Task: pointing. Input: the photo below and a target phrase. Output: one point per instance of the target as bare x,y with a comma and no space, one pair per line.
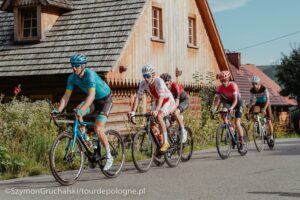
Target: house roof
270,71
66,4
96,28
242,77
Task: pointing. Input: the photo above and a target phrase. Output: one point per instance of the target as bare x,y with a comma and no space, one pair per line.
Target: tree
288,74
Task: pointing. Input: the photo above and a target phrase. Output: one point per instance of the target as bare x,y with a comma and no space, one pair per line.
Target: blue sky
242,23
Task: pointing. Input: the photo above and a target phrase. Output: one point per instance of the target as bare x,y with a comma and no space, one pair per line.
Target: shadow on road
283,194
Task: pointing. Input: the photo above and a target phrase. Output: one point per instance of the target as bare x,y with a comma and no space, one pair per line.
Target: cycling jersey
261,95
178,92
227,93
91,82
156,90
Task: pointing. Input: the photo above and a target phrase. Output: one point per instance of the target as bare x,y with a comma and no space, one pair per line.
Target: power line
268,41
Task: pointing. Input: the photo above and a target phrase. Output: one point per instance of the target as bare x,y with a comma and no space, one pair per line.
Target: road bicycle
227,137
70,148
260,131
146,145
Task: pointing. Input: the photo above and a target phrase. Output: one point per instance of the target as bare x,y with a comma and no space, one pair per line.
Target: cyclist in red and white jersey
164,101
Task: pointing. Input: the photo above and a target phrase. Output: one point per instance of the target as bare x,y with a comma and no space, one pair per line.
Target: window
157,25
192,31
29,23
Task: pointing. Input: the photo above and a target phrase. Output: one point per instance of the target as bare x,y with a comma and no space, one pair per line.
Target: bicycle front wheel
116,146
142,151
188,146
66,165
258,137
245,139
173,154
223,142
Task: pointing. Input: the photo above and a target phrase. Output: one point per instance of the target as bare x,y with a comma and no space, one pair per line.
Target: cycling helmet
223,75
255,79
166,77
77,60
148,69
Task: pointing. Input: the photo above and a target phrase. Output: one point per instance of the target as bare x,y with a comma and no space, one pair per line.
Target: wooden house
37,37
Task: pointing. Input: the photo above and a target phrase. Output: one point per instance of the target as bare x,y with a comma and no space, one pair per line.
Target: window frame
19,24
159,35
192,31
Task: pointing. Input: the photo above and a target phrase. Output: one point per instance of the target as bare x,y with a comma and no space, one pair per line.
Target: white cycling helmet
148,69
255,79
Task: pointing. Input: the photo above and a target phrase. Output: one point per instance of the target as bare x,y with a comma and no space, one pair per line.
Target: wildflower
17,90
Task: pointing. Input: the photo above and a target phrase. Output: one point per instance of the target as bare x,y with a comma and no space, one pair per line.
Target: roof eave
213,34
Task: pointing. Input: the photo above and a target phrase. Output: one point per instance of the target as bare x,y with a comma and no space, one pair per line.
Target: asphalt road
267,175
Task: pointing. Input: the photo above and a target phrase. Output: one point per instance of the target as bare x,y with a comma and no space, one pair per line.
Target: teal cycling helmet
77,60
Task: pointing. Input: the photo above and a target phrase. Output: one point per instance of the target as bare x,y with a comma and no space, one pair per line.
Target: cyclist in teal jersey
260,93
98,98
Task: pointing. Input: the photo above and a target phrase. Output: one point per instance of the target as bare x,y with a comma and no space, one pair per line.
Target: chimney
234,58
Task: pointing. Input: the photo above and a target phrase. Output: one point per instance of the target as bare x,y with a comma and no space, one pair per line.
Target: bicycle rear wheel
173,154
116,146
258,137
142,151
188,146
66,166
223,141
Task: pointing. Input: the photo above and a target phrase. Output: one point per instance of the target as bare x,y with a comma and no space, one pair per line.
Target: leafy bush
25,136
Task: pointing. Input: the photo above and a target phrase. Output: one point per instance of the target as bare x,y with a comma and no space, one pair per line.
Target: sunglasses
147,76
254,84
76,65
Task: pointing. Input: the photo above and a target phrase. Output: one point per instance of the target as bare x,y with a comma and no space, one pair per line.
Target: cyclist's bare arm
64,101
267,98
251,102
234,103
176,103
135,103
88,101
216,102
159,103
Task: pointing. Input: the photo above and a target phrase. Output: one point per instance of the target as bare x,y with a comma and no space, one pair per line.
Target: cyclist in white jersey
164,101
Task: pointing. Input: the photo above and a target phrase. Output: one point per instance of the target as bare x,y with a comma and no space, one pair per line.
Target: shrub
25,135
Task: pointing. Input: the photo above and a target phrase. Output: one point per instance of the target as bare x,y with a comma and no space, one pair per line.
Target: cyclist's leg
226,105
269,120
238,116
103,108
83,129
155,130
183,106
165,110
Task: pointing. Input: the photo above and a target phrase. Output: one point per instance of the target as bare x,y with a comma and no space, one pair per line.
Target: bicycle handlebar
57,121
148,114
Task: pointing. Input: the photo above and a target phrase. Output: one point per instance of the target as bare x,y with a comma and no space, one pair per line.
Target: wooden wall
173,52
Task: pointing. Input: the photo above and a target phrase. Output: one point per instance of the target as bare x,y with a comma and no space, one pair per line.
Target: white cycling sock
165,137
108,154
182,128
